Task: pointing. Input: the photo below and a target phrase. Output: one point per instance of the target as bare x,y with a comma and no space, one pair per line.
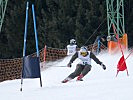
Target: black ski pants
80,69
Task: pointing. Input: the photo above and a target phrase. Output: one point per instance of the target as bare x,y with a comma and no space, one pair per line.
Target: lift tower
3,4
115,17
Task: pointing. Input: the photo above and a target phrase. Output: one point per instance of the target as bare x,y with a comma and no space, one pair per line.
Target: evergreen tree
57,22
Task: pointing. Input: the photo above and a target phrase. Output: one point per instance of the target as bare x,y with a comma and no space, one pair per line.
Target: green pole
118,17
3,5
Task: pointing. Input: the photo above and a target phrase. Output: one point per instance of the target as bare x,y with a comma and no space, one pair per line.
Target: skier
84,66
72,47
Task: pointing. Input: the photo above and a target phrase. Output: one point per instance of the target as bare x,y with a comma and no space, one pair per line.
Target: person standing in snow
84,66
100,40
72,47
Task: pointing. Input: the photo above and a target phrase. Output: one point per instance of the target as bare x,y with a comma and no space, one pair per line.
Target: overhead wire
95,31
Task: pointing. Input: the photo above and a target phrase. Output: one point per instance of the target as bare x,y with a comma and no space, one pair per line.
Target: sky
98,84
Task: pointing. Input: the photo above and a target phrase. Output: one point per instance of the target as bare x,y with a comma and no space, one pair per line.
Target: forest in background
58,21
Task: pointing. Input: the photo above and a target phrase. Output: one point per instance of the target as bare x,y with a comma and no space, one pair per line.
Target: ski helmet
109,38
72,41
83,51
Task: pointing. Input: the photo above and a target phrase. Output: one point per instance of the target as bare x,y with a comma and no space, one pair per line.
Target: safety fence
11,68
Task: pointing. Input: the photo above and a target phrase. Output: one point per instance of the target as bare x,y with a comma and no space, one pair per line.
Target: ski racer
84,66
72,47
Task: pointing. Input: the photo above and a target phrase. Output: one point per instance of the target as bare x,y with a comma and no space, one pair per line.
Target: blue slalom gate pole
34,19
25,32
25,35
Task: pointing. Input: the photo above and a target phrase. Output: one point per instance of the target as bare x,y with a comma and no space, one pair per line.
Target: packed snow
98,84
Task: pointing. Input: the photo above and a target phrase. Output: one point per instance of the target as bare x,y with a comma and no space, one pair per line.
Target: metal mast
115,15
3,4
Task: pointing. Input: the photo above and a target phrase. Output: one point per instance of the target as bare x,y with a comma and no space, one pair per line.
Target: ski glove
103,66
69,65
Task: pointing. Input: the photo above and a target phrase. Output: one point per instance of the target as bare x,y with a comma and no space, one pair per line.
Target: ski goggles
83,53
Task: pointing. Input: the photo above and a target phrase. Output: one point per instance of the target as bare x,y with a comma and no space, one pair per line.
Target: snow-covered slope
98,84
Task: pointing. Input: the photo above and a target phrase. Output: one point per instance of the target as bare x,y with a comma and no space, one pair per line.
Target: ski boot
79,78
66,80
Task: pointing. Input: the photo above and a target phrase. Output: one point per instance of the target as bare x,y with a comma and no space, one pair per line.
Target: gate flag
31,67
121,66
